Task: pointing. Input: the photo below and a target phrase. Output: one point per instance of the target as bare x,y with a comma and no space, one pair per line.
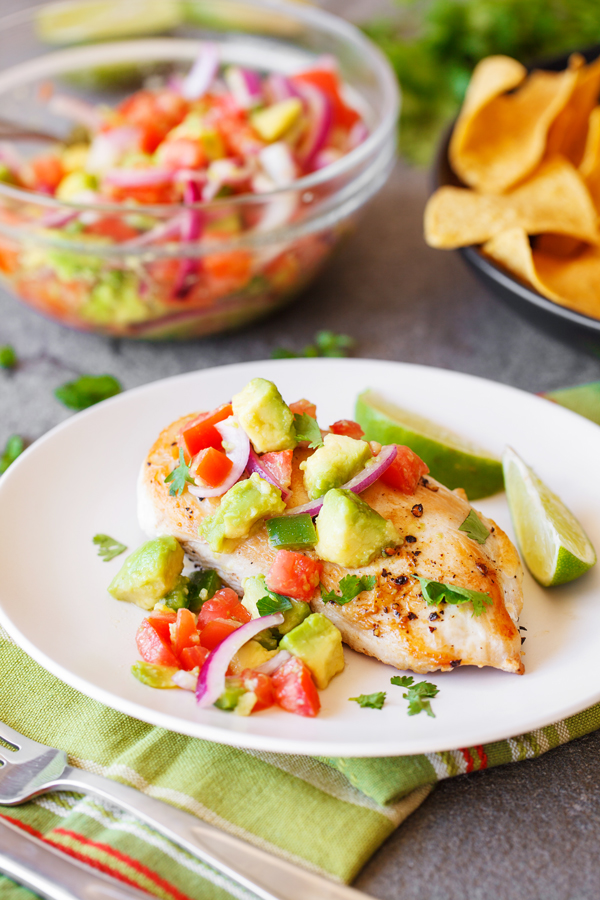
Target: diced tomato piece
186,633
295,690
347,427
261,685
46,172
216,631
304,406
279,464
201,432
181,153
154,113
152,647
192,657
224,605
112,227
161,622
233,268
406,470
212,466
294,575
327,81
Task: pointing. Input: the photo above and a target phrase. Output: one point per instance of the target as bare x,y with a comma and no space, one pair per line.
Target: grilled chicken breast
391,622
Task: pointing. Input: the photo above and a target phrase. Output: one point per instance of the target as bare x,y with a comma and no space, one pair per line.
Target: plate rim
475,736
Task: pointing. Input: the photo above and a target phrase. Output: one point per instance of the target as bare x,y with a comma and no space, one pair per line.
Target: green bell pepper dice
292,532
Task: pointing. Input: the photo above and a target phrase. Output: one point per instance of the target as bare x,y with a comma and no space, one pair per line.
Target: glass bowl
159,288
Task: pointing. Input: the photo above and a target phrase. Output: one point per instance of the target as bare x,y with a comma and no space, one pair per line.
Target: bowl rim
309,15
475,258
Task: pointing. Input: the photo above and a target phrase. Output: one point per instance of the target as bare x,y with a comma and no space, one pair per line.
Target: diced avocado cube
232,693
75,157
272,122
178,597
292,532
6,175
149,573
264,416
250,656
202,587
318,643
350,532
241,507
154,676
294,616
74,183
255,588
336,462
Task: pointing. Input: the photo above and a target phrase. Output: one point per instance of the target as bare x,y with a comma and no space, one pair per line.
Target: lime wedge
451,459
73,23
553,544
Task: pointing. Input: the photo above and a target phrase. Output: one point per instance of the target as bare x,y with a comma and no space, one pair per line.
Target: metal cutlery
29,769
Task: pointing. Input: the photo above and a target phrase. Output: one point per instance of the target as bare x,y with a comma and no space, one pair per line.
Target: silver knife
54,875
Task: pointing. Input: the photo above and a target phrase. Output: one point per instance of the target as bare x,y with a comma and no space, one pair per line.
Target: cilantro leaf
351,586
371,701
308,430
418,694
179,477
326,343
434,592
273,603
108,547
87,390
8,357
474,528
14,447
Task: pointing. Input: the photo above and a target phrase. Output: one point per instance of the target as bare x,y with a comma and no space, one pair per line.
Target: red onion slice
187,681
170,228
254,464
133,178
245,86
211,681
320,117
237,449
192,223
278,162
280,88
202,74
271,665
108,148
368,476
77,110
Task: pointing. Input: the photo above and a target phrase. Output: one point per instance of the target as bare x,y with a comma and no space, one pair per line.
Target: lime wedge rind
552,541
452,460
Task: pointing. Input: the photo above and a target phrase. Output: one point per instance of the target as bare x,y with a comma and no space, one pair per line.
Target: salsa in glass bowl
199,177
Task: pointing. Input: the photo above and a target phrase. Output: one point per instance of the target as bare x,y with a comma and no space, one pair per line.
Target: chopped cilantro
108,547
180,476
8,357
326,343
308,430
351,586
474,528
371,701
87,390
14,447
434,592
273,603
418,694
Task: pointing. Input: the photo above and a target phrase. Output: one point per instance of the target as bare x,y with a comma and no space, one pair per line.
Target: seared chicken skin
392,622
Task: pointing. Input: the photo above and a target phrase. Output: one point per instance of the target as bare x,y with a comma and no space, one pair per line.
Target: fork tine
19,741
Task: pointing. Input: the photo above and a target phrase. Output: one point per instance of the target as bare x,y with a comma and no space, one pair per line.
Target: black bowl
560,321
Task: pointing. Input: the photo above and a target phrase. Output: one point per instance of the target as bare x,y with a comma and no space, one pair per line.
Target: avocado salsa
242,453
150,238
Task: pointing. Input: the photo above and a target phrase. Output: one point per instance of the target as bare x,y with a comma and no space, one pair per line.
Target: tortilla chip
574,283
590,164
497,143
568,132
554,199
558,245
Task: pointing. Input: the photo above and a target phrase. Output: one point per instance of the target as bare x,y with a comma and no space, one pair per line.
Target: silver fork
29,769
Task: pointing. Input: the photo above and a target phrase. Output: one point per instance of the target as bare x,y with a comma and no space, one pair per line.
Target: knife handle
268,877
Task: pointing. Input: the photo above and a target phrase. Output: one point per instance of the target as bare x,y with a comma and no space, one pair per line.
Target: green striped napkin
329,815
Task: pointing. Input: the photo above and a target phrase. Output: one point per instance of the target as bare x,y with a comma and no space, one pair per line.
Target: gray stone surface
517,833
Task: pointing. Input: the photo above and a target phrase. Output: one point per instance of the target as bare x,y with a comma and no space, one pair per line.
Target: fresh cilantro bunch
418,695
273,603
8,357
474,528
108,547
307,429
326,343
179,477
87,390
351,586
14,447
370,701
434,592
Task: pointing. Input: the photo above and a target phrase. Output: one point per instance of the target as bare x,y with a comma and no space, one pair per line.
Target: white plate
80,480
